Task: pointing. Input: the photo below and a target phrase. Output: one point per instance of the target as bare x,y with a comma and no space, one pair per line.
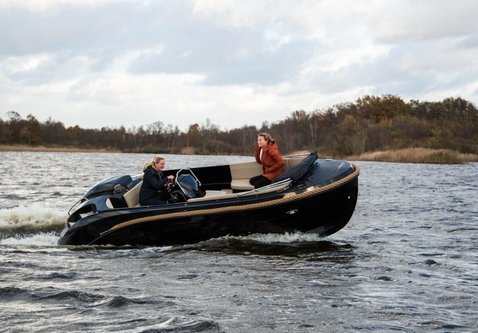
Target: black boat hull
324,215
318,209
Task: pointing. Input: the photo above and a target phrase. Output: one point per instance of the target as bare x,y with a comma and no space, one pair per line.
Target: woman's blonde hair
155,160
266,136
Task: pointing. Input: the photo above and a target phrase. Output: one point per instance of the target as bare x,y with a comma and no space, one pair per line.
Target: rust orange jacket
272,161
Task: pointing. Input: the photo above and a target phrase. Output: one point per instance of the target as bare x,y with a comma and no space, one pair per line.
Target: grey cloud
66,33
470,41
409,69
181,42
26,32
193,48
190,44
85,30
60,66
266,67
226,56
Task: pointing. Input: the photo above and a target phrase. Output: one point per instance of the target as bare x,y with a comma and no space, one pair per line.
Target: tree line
371,123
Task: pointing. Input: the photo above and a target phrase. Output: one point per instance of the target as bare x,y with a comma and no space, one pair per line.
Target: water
406,262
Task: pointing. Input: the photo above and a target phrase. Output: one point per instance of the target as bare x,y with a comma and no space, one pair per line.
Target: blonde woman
153,189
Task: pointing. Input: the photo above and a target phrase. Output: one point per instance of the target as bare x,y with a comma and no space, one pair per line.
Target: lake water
406,262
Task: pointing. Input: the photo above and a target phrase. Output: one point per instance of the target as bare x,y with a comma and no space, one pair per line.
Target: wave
181,325
38,239
288,237
288,244
30,219
47,294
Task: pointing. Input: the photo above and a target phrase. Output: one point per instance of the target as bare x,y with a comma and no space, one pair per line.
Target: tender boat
313,195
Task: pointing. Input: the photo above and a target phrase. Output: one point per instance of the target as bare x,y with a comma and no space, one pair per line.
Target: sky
112,63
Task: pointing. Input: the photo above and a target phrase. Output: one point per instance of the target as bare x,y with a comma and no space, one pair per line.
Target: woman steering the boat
267,153
154,187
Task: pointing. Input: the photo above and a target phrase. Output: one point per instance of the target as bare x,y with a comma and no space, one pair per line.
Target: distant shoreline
406,155
55,149
417,155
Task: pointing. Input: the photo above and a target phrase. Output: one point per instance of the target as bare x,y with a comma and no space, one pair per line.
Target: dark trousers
259,181
154,201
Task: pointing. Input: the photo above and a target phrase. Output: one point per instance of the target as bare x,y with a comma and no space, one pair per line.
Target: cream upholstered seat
241,173
132,196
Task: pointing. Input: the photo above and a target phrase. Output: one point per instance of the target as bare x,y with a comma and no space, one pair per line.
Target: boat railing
219,195
268,188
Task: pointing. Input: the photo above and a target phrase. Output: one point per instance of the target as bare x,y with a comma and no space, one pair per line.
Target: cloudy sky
98,63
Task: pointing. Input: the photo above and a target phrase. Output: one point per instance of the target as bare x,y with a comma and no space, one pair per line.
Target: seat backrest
242,172
132,196
245,170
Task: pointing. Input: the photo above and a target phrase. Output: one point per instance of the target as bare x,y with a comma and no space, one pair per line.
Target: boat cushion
215,194
241,173
241,185
132,196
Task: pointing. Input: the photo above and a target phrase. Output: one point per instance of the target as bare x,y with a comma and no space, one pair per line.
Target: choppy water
407,261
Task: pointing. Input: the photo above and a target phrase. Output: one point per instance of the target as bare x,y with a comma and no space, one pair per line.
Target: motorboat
313,195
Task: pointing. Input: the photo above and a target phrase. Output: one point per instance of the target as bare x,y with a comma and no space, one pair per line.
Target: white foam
35,217
283,238
40,239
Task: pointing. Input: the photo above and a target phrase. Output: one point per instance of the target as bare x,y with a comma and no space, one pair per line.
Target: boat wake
280,238
42,239
288,244
28,220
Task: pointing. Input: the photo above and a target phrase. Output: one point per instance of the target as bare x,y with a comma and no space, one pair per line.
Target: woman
267,153
153,189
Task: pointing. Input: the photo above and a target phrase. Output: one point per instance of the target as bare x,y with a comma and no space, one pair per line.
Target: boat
313,195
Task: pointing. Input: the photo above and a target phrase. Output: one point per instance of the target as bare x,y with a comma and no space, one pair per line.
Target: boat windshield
189,183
